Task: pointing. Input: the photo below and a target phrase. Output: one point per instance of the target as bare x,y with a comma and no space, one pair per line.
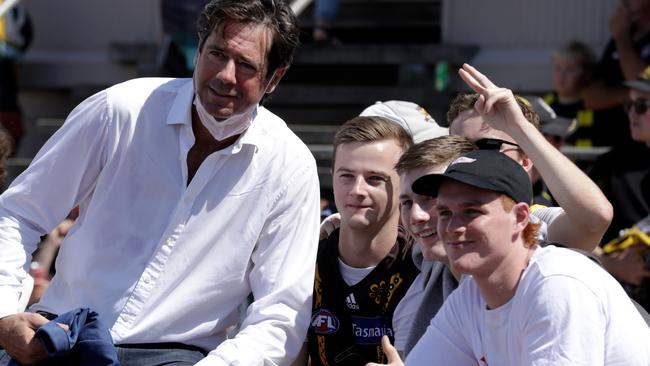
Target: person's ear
275,79
522,216
526,163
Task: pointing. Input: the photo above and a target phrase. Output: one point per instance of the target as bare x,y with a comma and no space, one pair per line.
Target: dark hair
371,129
436,151
275,14
464,102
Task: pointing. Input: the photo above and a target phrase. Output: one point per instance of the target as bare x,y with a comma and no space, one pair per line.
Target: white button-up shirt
158,259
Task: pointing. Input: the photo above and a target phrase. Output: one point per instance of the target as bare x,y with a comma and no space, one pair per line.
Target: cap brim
427,185
643,86
561,127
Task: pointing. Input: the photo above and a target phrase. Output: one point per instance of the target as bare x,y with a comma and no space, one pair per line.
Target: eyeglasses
492,144
640,105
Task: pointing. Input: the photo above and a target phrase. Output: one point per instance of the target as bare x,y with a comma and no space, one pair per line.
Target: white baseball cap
413,118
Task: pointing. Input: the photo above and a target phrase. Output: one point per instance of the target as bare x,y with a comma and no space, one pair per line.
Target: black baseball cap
487,169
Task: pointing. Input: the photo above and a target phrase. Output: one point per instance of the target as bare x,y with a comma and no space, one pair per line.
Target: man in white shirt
520,304
191,197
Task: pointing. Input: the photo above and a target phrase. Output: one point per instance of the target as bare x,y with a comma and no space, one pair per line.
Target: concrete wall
517,37
73,37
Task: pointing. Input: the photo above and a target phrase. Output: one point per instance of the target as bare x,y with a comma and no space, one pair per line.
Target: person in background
15,38
325,12
6,149
573,67
625,56
624,176
179,26
42,267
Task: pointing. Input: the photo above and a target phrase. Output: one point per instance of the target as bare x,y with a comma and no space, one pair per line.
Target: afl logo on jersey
324,322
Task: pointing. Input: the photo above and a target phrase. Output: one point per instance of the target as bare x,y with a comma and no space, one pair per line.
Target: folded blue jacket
86,343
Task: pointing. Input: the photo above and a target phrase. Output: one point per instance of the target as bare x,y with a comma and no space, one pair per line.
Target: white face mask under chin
231,126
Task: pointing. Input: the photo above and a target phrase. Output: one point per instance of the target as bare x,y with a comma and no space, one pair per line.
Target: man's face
640,122
419,216
231,68
366,185
475,228
470,125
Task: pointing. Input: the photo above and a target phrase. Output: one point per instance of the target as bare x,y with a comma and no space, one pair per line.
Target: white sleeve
282,280
404,313
565,324
444,342
544,216
61,174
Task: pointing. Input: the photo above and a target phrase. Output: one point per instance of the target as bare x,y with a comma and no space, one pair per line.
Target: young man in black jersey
365,267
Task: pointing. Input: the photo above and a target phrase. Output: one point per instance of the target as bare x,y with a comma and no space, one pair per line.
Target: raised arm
621,27
587,212
599,95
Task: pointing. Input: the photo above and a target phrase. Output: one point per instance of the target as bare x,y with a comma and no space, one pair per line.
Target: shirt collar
255,134
181,110
181,113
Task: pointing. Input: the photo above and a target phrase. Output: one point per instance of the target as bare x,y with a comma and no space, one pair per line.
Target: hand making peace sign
496,105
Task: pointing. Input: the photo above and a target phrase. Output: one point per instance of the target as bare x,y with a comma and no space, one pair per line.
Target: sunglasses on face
492,144
640,105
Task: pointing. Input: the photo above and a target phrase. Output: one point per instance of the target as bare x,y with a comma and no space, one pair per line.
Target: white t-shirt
566,311
353,275
404,314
